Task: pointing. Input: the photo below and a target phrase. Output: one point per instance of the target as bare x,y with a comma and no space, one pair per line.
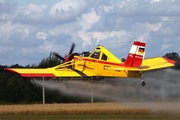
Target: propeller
64,58
58,56
72,49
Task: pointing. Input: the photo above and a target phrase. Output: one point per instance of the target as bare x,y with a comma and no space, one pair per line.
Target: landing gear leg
142,81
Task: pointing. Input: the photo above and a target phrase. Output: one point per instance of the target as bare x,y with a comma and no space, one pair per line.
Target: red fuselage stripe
99,61
103,62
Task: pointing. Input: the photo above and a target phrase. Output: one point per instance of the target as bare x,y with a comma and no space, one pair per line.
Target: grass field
107,111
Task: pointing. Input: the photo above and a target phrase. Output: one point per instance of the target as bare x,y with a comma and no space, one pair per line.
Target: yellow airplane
99,64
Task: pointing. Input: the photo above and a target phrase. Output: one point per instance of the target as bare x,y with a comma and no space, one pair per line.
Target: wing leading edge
50,72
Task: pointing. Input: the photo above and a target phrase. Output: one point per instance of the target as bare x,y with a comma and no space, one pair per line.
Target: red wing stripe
100,61
170,61
37,75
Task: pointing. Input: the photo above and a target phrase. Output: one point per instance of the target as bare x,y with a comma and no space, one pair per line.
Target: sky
31,29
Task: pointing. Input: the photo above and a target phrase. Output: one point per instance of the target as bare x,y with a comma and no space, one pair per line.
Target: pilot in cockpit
96,54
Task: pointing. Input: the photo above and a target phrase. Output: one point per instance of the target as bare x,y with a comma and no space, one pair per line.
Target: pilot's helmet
96,54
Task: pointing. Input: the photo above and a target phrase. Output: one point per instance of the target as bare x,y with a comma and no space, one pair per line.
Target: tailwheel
143,83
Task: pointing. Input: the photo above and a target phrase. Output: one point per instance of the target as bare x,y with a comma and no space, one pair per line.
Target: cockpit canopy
98,54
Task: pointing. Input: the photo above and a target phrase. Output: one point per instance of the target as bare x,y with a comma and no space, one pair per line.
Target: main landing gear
142,81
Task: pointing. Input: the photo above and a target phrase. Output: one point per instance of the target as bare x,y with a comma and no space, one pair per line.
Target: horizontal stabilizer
156,63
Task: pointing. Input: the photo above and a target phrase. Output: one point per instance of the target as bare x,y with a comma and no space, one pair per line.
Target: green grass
95,117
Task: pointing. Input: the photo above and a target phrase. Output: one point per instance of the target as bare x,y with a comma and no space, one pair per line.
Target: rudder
136,54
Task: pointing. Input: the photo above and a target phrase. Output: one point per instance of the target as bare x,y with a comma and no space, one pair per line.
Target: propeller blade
57,55
72,48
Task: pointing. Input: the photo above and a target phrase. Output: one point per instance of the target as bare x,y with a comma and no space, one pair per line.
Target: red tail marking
136,54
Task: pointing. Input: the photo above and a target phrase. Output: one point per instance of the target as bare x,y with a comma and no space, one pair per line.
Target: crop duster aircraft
99,64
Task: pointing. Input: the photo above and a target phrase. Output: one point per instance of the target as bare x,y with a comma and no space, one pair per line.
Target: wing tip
10,70
170,61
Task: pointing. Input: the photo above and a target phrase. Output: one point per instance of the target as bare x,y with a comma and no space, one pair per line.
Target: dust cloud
163,85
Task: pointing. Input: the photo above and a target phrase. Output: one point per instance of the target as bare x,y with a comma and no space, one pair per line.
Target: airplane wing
156,63
50,72
25,72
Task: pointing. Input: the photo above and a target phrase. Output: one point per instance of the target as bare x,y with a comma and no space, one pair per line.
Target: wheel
143,83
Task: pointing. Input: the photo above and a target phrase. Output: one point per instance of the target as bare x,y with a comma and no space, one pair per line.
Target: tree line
15,89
